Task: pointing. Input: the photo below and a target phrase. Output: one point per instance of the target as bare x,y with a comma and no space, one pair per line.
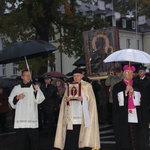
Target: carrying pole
28,67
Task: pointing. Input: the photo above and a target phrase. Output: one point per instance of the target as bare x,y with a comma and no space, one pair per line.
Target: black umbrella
25,49
9,82
69,74
79,62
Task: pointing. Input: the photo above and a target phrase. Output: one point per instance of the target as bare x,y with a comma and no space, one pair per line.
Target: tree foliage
123,6
41,19
144,7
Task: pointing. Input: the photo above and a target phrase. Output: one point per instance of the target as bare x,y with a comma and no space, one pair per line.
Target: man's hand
129,89
67,98
36,87
111,73
20,96
79,98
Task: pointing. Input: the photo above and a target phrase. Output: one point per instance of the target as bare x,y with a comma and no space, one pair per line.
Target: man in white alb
24,98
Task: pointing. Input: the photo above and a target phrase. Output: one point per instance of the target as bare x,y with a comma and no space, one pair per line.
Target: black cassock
130,136
144,86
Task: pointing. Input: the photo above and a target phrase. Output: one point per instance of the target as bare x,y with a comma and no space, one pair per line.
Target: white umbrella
130,55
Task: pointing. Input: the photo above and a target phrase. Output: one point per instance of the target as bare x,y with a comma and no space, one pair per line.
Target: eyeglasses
26,75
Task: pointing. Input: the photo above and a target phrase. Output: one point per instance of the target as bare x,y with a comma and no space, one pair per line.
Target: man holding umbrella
130,125
25,98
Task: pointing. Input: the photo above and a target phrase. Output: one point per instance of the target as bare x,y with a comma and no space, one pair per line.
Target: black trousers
135,140
72,139
2,120
27,139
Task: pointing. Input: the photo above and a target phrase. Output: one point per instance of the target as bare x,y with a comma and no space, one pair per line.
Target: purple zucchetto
127,67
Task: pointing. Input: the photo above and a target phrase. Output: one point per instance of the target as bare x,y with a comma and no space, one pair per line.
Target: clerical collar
142,78
25,85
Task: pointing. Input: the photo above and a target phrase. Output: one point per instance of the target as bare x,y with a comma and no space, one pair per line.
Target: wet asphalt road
8,138
8,142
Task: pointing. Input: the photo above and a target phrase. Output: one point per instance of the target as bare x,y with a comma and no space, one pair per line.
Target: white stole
77,110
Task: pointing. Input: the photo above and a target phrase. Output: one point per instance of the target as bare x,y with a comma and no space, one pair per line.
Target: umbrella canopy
69,74
130,55
29,49
79,62
55,74
9,82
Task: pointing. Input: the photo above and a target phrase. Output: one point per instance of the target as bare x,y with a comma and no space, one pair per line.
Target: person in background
129,118
24,98
144,84
101,95
61,90
4,108
77,126
49,104
60,87
35,80
113,78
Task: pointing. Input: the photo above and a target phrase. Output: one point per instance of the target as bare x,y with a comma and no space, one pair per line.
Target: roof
145,27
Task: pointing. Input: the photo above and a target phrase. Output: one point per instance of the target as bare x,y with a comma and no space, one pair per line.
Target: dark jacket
100,92
51,97
4,107
144,86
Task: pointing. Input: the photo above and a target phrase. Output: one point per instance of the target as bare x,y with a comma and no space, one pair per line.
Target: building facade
131,35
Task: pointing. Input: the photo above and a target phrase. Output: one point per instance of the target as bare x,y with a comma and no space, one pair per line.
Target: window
128,43
1,43
102,16
52,35
14,69
121,42
3,70
133,24
138,44
124,23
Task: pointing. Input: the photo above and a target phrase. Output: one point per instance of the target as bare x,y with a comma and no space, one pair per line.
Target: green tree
41,19
142,7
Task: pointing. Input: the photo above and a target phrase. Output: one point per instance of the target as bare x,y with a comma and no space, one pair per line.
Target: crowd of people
121,100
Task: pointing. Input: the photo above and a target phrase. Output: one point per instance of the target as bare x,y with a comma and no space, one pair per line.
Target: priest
130,126
77,126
